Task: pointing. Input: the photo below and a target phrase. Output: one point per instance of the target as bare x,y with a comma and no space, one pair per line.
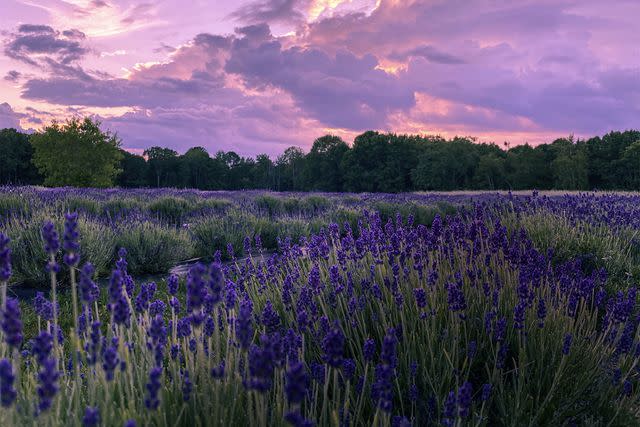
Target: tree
76,153
630,162
449,165
264,172
289,166
196,169
15,162
163,164
362,166
528,168
490,173
134,171
323,162
570,166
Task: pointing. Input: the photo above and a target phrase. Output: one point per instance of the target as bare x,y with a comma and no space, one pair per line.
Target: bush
171,209
153,248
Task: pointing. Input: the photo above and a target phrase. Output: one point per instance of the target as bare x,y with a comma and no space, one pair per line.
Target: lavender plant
462,322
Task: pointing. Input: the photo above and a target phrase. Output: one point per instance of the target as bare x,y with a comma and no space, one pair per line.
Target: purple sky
259,76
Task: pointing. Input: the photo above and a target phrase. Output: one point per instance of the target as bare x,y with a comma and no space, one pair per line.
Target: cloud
140,13
287,11
12,76
480,66
99,18
430,53
9,118
341,90
33,44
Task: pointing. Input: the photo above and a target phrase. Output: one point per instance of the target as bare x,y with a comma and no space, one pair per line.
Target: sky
260,76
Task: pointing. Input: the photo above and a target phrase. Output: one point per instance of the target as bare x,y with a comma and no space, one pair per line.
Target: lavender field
468,309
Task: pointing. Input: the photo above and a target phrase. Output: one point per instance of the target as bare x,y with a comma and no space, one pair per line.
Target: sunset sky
259,76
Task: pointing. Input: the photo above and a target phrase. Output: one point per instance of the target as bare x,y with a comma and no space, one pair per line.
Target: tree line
79,153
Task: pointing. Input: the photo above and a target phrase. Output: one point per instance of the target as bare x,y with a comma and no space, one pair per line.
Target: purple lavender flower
297,383
246,245
566,344
152,400
121,311
157,308
196,293
244,329
175,304
47,383
70,240
421,297
50,237
348,368
115,286
92,346
157,331
91,417
270,319
110,361
369,350
465,395
261,364
216,280
486,392
11,323
449,409
382,388
43,307
172,284
209,326
89,291
41,346
7,377
5,258
184,327
187,386
542,312
388,353
333,346
297,420
217,372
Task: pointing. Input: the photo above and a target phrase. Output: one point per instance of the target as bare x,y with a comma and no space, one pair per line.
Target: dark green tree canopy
15,159
77,153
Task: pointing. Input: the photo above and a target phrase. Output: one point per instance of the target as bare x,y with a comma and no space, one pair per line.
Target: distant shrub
80,205
153,248
171,209
120,207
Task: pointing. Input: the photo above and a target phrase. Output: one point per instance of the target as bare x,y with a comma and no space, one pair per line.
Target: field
191,308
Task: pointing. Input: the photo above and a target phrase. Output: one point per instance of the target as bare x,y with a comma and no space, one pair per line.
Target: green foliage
98,243
15,161
152,248
376,162
134,170
323,164
171,209
76,153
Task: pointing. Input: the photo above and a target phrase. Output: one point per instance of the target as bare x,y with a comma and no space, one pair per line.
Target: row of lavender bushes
161,228
385,324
